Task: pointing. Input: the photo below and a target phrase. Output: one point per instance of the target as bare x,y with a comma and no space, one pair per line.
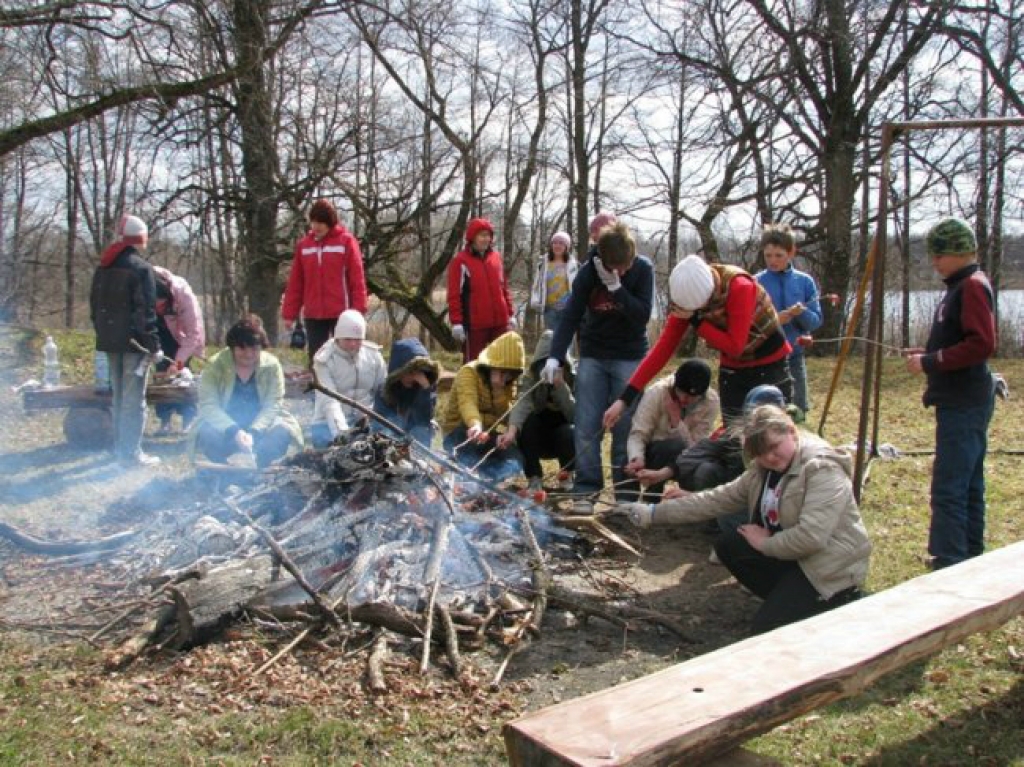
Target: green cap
952,237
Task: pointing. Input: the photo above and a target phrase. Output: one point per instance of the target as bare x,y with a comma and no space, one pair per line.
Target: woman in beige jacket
805,549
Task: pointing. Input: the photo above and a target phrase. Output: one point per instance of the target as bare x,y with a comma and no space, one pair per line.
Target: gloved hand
513,323
550,370
459,333
609,277
640,514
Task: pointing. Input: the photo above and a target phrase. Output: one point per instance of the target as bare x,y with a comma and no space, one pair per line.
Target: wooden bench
710,704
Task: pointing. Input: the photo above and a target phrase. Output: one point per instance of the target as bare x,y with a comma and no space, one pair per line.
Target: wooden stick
299,639
451,640
432,575
286,560
375,664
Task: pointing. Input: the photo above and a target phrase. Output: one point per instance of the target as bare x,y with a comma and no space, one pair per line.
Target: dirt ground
55,491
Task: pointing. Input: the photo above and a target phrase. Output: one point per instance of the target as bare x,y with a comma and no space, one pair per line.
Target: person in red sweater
734,315
326,277
480,307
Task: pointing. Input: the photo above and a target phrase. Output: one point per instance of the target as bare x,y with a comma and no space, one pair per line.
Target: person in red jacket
480,307
326,277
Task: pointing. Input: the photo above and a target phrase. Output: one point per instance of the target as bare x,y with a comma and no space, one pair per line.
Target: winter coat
412,408
122,302
821,526
539,290
217,384
326,277
544,396
185,320
478,295
472,401
788,287
652,423
962,338
358,376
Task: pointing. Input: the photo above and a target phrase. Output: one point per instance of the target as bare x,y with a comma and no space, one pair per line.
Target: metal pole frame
870,394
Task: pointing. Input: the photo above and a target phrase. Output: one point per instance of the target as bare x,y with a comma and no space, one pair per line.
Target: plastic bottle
51,364
101,369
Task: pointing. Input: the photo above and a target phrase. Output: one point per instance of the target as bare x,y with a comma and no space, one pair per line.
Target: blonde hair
615,245
761,428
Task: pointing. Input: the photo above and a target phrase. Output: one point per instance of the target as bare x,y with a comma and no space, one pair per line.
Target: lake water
922,308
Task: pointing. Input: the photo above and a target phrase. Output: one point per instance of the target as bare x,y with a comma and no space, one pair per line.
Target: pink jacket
186,323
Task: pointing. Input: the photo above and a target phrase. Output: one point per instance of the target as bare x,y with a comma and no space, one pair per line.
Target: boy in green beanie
961,387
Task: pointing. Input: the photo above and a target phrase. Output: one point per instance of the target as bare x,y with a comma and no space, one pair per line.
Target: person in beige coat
673,415
805,549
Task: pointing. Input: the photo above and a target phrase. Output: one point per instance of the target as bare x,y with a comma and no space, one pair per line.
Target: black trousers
164,410
546,434
660,454
318,332
788,595
735,383
268,446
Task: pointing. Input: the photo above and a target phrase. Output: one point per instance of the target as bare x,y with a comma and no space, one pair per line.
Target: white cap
351,324
132,229
691,283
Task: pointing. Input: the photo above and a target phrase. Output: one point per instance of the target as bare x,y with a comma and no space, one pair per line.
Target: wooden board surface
705,706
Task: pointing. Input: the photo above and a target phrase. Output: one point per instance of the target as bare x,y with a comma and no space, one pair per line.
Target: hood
410,356
113,251
336,232
813,447
505,352
543,350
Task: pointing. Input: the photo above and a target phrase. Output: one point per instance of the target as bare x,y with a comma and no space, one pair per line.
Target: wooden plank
710,704
87,396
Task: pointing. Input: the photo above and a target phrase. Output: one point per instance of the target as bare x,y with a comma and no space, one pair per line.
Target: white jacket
539,290
651,421
358,376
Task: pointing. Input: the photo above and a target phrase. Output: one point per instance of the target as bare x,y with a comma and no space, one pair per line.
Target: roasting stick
503,416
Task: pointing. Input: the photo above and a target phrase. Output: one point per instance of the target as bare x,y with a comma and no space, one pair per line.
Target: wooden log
710,704
219,595
36,545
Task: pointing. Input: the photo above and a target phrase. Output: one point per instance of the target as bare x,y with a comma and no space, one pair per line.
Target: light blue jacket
786,288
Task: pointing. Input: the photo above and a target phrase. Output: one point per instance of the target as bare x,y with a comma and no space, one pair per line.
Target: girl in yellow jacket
478,406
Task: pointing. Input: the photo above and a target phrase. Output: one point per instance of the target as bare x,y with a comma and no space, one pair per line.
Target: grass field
965,706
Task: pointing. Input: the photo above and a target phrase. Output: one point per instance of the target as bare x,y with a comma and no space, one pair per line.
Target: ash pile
372,530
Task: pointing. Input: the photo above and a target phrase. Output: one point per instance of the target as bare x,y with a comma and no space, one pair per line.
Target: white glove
551,368
609,277
513,323
459,333
640,514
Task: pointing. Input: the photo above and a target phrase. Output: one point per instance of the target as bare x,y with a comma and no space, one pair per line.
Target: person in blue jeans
609,307
795,296
962,390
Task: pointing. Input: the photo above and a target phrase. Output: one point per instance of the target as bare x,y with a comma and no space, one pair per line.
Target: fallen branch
60,548
451,641
375,664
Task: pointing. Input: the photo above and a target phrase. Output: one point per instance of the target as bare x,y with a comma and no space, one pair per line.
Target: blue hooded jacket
786,288
411,408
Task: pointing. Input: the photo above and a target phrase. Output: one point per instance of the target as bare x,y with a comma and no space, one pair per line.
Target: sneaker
141,460
582,509
713,559
565,481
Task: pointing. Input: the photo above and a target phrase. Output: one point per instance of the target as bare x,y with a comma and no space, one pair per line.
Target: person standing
351,366
610,305
795,297
480,306
182,336
961,388
122,306
551,284
326,277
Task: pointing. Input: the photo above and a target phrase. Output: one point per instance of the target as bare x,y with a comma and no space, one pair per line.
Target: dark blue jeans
958,483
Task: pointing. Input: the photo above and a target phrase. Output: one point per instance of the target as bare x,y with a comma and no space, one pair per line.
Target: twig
299,639
432,575
451,640
117,619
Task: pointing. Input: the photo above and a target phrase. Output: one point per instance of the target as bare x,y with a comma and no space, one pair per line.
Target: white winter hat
132,229
351,324
691,283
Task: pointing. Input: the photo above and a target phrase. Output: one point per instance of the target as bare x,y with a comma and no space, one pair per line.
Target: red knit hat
131,230
477,225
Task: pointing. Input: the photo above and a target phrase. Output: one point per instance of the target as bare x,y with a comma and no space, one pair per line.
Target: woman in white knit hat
352,366
734,315
553,279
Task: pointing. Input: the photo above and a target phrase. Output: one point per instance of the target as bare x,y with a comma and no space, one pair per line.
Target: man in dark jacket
122,305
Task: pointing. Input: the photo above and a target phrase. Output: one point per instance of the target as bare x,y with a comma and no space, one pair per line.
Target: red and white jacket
478,294
326,277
